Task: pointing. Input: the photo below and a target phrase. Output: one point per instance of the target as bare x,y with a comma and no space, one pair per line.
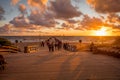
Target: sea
84,39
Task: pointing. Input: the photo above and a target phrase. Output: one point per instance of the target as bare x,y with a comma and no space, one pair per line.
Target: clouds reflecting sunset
60,17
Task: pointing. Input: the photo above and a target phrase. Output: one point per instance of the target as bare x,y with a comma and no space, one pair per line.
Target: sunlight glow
101,32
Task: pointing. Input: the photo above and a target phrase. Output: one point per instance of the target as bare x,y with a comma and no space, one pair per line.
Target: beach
60,65
60,40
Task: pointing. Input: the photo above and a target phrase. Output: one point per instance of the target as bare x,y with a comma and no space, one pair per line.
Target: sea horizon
85,39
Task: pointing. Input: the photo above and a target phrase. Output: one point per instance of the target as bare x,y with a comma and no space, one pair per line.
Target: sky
59,17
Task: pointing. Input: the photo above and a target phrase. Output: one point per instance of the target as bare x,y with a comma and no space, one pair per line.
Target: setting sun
101,32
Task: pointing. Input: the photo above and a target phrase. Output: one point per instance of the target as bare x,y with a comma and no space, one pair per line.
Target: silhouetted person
2,62
50,43
58,44
66,46
42,44
16,41
80,41
91,46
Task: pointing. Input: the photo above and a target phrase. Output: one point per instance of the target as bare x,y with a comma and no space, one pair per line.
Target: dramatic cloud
41,4
105,6
64,9
46,19
22,8
9,29
5,29
14,2
44,14
72,21
113,18
67,26
112,21
2,12
20,21
91,23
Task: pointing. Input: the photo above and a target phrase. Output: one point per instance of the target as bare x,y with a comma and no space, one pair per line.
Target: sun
101,32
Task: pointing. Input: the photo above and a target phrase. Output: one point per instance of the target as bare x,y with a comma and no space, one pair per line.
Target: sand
59,65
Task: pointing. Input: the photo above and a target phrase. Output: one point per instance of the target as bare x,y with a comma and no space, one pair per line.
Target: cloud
112,21
67,26
64,9
9,29
113,18
2,12
5,29
44,14
72,21
22,8
41,4
91,23
105,6
53,11
14,2
20,21
40,15
46,19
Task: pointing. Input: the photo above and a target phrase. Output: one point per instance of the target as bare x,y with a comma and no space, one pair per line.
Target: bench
31,49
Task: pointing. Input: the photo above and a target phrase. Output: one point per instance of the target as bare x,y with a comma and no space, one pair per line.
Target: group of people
55,44
69,47
52,44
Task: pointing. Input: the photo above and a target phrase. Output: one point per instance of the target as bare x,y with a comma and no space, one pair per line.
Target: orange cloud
22,8
113,18
41,4
105,6
20,21
89,23
46,19
5,29
14,2
64,9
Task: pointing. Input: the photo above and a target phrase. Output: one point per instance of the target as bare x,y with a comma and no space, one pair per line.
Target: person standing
2,62
50,44
91,46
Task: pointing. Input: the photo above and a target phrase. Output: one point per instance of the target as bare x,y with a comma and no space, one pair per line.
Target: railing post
26,49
